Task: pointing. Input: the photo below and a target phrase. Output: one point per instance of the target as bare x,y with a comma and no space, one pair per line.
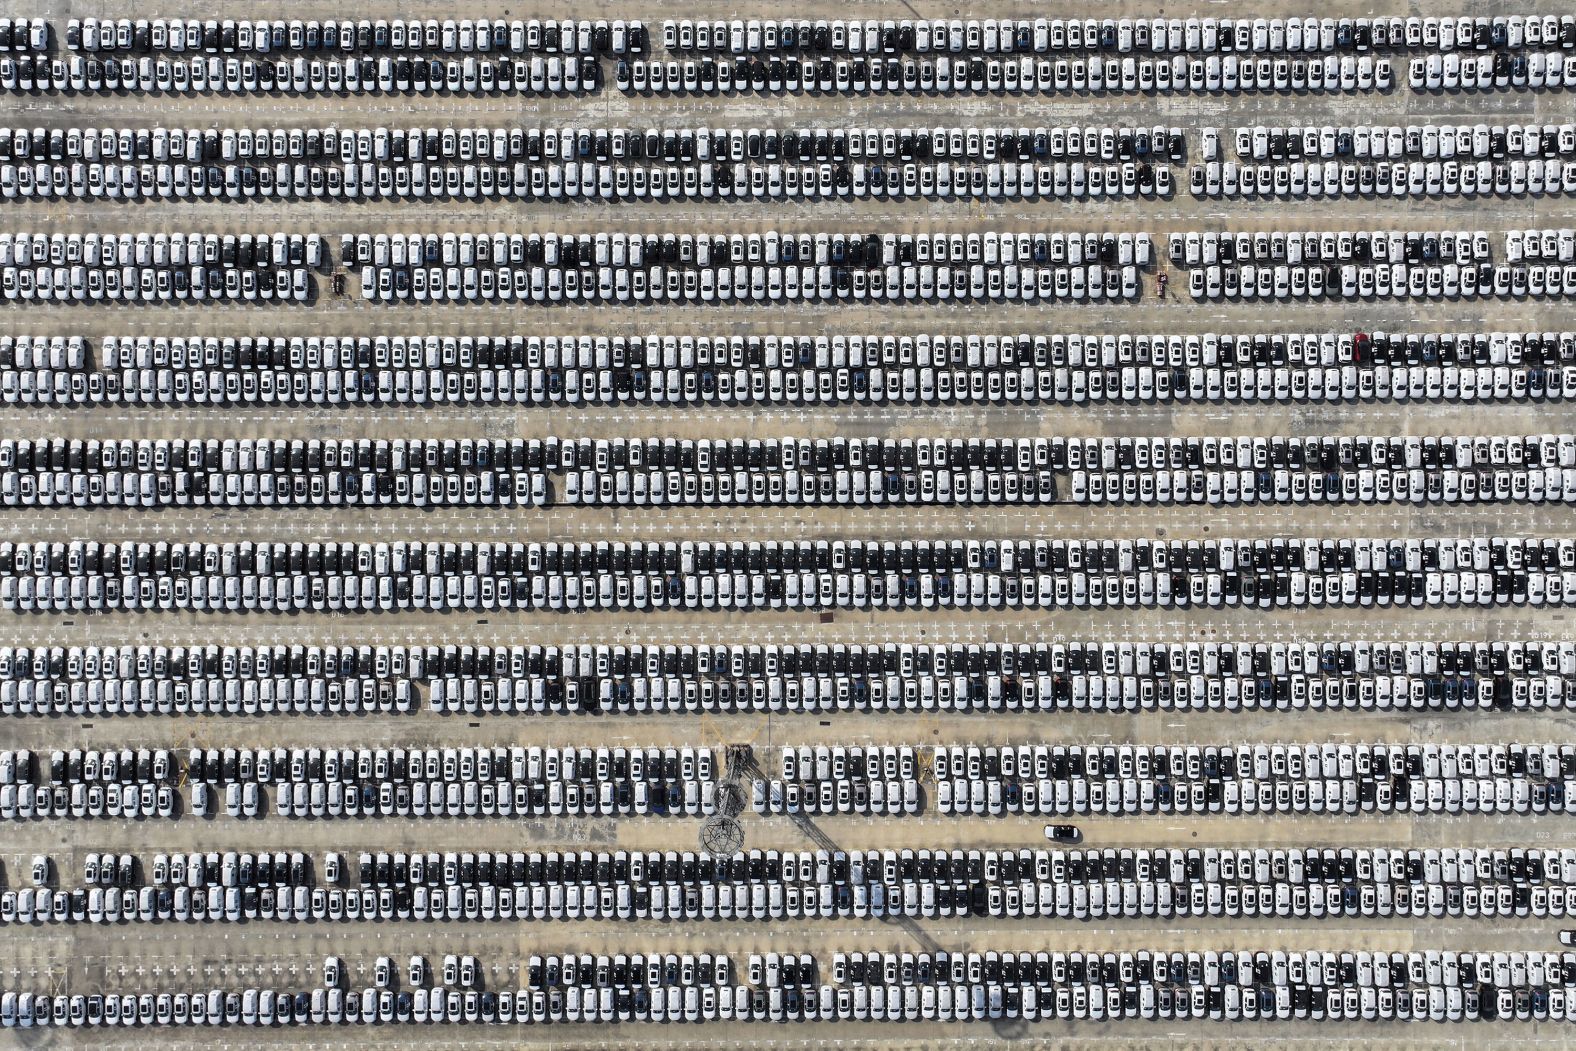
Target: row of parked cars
1330,178
263,36
122,766
1531,869
129,783
600,143
229,869
583,180
869,36
23,34
870,251
978,780
1300,778
1541,244
771,266
749,283
1264,281
90,576
1209,247
538,472
1191,762
366,782
604,164
586,679
573,356
772,455
851,250
1496,72
268,765
282,694
946,75
1398,263
245,76
163,250
1389,160
403,56
1262,985
621,267
151,268
1403,142
985,678
520,763
771,369
1110,883
1158,35
28,802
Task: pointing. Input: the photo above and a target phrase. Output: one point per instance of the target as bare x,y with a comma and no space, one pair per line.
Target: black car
1063,833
